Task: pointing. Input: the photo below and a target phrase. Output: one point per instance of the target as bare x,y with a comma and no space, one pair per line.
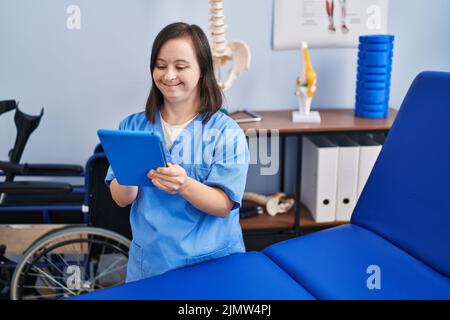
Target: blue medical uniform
168,232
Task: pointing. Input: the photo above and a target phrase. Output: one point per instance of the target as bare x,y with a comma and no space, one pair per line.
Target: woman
192,213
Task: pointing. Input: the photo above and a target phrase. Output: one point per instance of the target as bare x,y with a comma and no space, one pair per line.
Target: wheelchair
88,254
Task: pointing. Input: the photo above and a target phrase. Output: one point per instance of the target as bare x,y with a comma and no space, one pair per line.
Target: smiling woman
193,213
181,66
177,74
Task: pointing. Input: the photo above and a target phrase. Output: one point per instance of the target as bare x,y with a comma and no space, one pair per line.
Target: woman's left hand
172,179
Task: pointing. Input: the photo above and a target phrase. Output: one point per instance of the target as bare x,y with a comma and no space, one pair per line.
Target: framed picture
327,23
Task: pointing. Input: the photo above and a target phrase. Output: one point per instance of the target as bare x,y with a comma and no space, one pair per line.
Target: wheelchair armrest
7,105
12,167
31,187
53,169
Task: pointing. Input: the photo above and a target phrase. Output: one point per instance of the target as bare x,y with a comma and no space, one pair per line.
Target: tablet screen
132,154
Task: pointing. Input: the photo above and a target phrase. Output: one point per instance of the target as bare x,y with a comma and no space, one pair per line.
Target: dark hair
210,93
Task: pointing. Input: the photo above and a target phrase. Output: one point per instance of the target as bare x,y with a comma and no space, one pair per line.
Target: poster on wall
327,23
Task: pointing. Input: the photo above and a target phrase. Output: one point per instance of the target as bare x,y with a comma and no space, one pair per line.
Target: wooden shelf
265,221
333,120
285,221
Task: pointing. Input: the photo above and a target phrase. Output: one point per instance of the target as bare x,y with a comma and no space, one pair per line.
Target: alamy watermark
374,280
73,280
228,146
73,22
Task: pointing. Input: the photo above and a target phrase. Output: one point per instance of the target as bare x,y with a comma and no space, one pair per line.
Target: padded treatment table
243,276
400,226
337,265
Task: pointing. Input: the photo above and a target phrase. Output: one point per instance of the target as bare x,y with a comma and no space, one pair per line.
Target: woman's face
176,72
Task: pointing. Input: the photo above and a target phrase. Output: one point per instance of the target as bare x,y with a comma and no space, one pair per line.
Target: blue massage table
401,225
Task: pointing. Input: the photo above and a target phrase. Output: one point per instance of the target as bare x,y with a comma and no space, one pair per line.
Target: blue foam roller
381,38
380,107
372,96
375,59
372,85
374,77
374,70
376,46
371,114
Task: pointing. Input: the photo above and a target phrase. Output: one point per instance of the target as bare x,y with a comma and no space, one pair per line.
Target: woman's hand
172,179
123,195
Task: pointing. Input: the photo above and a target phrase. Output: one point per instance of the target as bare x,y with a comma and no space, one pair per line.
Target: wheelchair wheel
69,262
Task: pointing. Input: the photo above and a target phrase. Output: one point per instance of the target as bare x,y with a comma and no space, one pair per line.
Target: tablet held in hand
132,154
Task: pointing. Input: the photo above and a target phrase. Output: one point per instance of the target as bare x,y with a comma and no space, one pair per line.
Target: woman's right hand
123,195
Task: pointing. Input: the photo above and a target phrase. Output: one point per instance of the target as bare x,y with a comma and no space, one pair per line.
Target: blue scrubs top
168,232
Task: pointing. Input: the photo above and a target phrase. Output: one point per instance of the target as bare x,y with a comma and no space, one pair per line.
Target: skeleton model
236,51
305,88
274,204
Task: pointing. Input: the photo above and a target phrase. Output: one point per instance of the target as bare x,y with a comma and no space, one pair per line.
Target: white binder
347,177
369,150
319,175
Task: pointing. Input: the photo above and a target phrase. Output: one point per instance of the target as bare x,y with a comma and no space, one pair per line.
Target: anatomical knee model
305,89
235,51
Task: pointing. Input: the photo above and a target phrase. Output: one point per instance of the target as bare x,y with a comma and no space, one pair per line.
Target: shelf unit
334,122
285,221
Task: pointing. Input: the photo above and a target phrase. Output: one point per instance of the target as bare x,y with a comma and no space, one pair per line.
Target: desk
334,121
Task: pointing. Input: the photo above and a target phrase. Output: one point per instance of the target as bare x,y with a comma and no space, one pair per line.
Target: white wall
91,78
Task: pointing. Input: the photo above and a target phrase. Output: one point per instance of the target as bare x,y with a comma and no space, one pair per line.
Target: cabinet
334,122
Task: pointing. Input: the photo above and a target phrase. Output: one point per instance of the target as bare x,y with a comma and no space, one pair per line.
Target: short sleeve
109,176
229,166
